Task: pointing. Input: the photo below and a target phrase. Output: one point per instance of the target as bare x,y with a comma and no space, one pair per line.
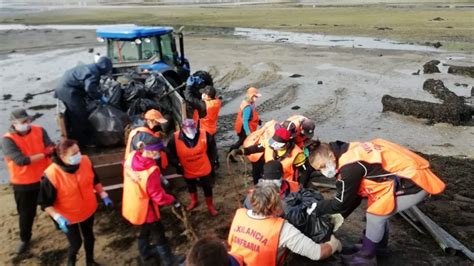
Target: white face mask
190,132
329,171
75,159
21,127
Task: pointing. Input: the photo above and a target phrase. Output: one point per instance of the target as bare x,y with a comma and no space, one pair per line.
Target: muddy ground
340,88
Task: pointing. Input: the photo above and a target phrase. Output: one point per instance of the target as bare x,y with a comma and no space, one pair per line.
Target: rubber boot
210,207
71,260
365,256
194,202
382,246
166,256
146,250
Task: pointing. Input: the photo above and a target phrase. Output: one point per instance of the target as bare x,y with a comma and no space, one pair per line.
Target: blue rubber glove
190,81
108,202
104,99
62,223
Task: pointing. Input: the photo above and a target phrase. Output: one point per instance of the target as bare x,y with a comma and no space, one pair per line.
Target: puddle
328,40
58,27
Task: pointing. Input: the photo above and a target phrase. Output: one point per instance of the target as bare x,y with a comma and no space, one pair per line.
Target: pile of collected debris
128,97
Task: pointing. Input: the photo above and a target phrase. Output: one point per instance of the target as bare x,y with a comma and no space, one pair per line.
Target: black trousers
154,231
240,141
257,170
75,241
26,202
204,182
77,120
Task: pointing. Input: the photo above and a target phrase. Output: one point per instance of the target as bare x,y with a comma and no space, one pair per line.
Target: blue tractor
146,49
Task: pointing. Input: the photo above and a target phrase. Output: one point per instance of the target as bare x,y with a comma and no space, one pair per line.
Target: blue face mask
75,159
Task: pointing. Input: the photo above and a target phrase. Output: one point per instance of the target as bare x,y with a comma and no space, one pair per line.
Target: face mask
329,171
190,132
23,127
203,96
75,159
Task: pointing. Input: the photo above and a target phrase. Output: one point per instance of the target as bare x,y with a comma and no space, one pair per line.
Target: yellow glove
337,220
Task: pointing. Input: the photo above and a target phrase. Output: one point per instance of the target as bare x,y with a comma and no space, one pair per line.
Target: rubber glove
108,202
190,81
104,99
337,220
335,244
62,223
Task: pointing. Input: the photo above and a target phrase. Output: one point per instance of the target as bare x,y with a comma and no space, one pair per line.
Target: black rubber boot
167,258
146,250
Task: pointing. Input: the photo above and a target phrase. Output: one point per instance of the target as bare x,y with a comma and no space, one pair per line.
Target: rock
416,73
91,50
380,55
296,107
437,45
464,85
457,84
438,19
296,76
7,97
462,70
431,67
38,78
437,88
320,82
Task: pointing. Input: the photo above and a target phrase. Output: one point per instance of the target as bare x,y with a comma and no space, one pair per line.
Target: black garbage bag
141,105
108,123
315,226
132,91
155,86
114,95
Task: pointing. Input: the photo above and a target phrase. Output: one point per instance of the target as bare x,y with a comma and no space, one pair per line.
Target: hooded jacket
83,80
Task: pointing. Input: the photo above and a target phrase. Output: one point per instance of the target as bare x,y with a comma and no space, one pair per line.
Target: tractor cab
146,49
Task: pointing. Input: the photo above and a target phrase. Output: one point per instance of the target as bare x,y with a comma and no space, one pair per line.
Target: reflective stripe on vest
253,123
135,199
75,198
261,135
256,240
194,160
399,162
287,161
209,122
29,144
129,147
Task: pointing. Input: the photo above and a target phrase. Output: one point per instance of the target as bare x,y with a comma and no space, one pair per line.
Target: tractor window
150,48
123,51
167,48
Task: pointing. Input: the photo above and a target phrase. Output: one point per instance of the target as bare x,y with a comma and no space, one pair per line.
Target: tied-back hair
319,154
208,251
62,147
265,199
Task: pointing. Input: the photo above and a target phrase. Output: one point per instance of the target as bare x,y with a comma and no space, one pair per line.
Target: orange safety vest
75,198
287,161
29,144
253,123
194,160
294,186
195,116
135,198
256,240
129,147
209,122
260,135
396,160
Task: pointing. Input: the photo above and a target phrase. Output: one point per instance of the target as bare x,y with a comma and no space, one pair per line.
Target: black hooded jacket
83,80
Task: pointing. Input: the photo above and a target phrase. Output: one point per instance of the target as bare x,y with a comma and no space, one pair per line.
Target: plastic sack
108,123
132,91
140,106
155,86
315,226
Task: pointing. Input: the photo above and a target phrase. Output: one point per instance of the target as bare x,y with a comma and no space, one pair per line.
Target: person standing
392,178
213,107
76,85
27,149
193,154
260,236
142,196
195,107
68,194
247,120
152,129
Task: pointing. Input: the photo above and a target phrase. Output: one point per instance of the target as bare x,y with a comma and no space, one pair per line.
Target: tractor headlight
138,41
100,39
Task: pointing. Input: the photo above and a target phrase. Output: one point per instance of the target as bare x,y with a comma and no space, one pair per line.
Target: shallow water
328,40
